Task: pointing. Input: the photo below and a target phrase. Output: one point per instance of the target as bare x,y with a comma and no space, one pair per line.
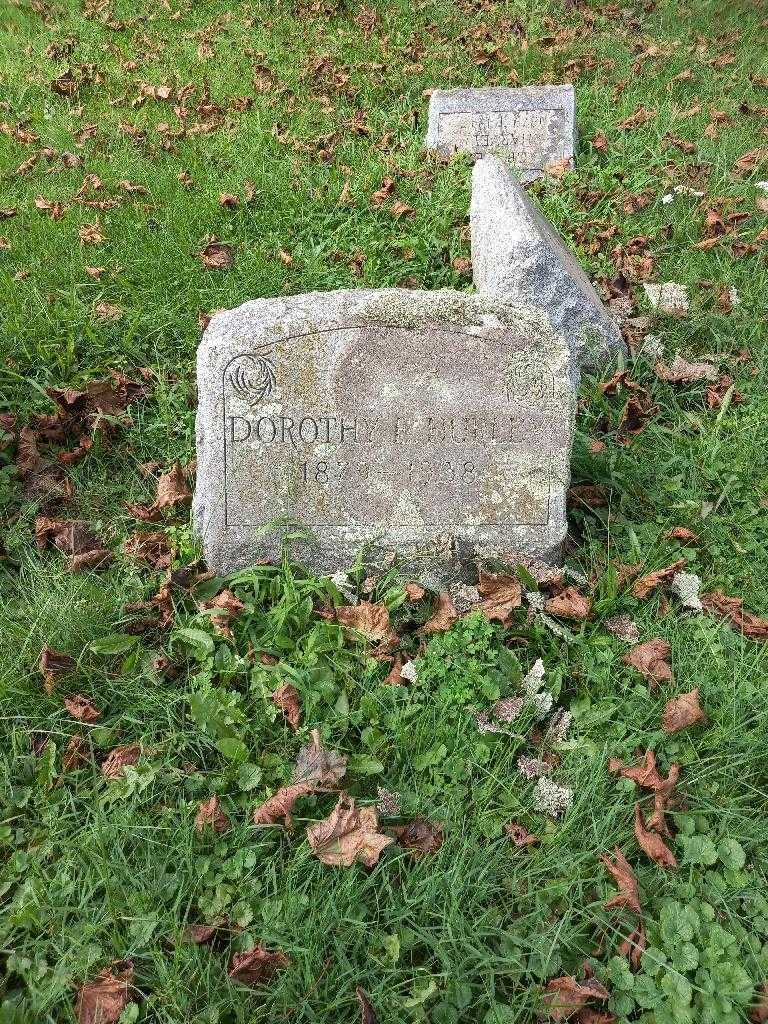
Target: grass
95,871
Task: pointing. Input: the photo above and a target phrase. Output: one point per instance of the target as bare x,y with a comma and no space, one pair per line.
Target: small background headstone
532,128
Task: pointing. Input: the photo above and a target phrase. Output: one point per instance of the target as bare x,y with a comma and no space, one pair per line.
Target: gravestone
517,254
432,424
531,128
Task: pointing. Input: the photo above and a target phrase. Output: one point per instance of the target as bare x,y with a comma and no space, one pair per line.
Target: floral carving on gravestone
252,375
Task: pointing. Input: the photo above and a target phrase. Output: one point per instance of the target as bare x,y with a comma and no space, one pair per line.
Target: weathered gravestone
412,421
517,254
531,128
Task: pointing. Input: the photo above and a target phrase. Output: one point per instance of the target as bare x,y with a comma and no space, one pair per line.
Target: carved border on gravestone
276,360
531,127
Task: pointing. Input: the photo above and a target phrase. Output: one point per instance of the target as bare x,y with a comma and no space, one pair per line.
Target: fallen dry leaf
723,387
117,759
565,996
210,815
759,1012
633,947
367,1013
172,490
683,372
414,591
53,664
225,606
732,609
646,774
317,766
635,415
683,534
281,804
444,616
81,708
372,620
256,966
103,1000
569,604
588,495
286,698
628,895
75,754
650,661
501,593
648,583
76,540
216,255
348,834
652,844
520,835
420,836
153,548
682,712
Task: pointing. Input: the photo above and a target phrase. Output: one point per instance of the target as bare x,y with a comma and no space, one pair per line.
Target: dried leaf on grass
628,895
172,491
347,835
256,966
103,1000
75,539
153,548
520,835
117,759
682,712
650,660
81,708
683,534
565,996
633,947
570,603
652,844
318,766
210,815
732,609
54,664
648,583
286,698
414,591
444,616
501,593
216,255
635,415
683,372
372,620
420,836
367,1013
281,804
75,754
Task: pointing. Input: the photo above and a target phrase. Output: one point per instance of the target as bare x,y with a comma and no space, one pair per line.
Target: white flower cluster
551,799
532,767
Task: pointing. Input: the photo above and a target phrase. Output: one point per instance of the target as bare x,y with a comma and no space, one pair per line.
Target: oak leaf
103,1000
257,965
286,698
628,895
210,814
682,712
650,660
648,583
348,834
501,593
652,844
569,604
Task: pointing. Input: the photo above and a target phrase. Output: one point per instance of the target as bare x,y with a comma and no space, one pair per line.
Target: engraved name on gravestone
532,127
409,421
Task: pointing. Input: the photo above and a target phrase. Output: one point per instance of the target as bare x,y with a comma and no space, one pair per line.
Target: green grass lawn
300,111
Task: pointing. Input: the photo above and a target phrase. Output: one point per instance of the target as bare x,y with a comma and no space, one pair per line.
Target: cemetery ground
157,167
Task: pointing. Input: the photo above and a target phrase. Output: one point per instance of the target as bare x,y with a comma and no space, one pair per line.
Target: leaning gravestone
532,128
413,422
518,255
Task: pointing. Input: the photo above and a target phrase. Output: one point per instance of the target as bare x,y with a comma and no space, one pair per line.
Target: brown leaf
732,609
372,620
216,255
628,895
256,966
281,804
759,1012
647,774
348,834
651,844
588,495
633,947
367,1013
382,194
683,372
565,996
420,836
90,234
569,604
635,414
172,490
519,835
414,591
317,766
749,161
75,754
75,539
399,209
648,583
682,712
210,814
650,661
286,698
229,202
103,1000
117,759
53,664
640,117
226,606
683,534
502,594
717,393
81,708
153,548
444,617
